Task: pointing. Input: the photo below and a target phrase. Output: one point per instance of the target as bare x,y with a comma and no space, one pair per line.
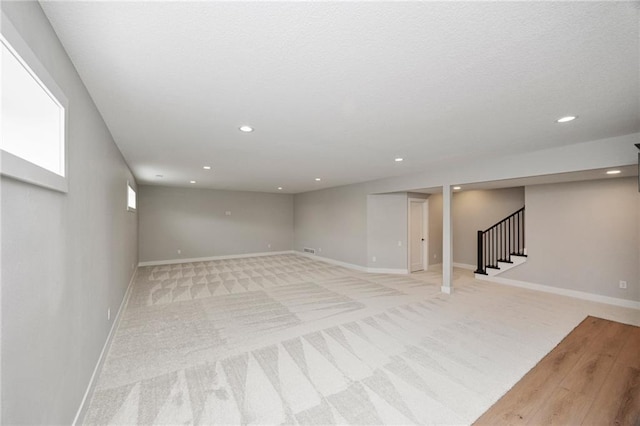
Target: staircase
501,246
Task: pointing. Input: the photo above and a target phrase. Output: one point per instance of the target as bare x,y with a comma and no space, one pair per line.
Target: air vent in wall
309,250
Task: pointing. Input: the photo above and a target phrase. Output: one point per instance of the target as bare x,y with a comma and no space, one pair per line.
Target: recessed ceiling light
279,188
206,167
192,181
566,119
246,129
613,172
399,159
318,179
457,188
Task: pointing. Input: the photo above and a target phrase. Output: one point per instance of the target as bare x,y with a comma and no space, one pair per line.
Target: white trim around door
424,238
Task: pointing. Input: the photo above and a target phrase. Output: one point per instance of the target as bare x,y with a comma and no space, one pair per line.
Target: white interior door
417,235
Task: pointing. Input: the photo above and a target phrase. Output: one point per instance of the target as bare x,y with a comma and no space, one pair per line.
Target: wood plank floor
591,378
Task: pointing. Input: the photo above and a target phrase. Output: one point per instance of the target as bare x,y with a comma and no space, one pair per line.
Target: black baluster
479,269
518,232
523,224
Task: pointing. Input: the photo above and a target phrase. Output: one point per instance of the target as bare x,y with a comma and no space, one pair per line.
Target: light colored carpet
286,339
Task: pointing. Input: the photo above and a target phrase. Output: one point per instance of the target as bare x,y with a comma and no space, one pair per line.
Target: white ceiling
337,90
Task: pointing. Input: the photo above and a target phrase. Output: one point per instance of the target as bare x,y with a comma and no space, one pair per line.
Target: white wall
194,221
583,236
66,257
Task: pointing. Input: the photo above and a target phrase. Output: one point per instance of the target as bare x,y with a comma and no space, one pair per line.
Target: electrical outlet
373,259
399,243
435,256
227,213
179,251
623,284
108,314
319,250
268,245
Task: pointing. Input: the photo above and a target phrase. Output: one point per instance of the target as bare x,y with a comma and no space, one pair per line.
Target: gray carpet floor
285,339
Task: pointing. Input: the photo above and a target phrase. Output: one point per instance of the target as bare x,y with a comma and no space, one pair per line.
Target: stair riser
515,261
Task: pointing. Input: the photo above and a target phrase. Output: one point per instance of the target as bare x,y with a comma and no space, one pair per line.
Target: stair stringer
516,260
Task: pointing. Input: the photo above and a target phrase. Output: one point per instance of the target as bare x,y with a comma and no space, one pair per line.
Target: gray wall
583,236
478,210
66,258
334,220
369,225
435,229
471,211
386,226
194,221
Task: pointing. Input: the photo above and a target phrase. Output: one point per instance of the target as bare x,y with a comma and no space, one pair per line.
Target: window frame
135,198
16,167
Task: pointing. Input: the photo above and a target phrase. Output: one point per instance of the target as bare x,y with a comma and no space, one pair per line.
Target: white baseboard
446,290
457,265
209,258
354,266
464,266
398,271
82,410
562,291
272,253
333,261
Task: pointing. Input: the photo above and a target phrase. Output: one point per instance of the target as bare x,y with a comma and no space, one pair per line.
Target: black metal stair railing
498,242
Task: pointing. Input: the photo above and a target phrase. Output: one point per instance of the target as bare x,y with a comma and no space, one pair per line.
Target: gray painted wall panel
194,221
66,258
583,236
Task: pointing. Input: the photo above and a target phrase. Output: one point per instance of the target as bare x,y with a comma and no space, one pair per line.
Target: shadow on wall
478,210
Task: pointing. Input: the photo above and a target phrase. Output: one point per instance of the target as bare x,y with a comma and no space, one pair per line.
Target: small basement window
131,198
33,116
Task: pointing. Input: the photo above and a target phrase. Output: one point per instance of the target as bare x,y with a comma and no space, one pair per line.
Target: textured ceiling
337,90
